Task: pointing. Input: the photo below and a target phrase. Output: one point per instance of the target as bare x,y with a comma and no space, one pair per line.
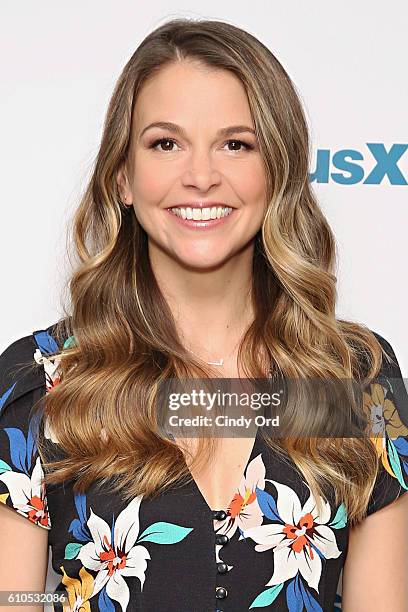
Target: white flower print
51,368
298,540
28,494
116,558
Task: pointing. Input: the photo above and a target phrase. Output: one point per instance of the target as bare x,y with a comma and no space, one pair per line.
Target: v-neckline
200,494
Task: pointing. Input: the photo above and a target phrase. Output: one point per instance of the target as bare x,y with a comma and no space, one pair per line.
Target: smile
202,214
201,218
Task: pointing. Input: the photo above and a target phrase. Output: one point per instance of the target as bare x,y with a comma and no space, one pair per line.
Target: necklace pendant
217,363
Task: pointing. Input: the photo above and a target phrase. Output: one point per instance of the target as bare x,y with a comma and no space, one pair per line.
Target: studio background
59,65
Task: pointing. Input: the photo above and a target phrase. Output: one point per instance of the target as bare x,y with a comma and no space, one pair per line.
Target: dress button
222,568
219,515
221,539
220,592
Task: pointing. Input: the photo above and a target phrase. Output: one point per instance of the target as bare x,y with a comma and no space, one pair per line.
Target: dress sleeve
386,402
22,384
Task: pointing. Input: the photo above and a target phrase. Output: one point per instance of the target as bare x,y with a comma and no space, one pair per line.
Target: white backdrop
59,65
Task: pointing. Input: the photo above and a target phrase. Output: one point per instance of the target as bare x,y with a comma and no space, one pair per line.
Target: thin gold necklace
220,362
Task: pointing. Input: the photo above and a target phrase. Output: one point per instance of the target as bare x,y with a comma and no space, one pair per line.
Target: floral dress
269,549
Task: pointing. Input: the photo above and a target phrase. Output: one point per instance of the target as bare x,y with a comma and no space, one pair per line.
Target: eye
247,146
155,143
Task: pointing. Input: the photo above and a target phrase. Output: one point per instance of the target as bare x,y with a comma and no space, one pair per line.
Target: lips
199,205
199,224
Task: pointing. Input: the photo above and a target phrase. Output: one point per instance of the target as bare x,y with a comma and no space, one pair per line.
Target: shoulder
390,383
27,369
19,372
22,364
386,404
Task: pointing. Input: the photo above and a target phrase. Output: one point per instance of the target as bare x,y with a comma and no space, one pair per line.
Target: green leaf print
72,550
164,533
267,597
340,520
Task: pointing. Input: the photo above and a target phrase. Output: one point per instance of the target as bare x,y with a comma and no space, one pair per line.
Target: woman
202,253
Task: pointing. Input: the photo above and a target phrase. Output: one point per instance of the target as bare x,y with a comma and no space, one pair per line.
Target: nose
200,172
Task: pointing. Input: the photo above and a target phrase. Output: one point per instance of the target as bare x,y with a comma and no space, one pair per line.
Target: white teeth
202,214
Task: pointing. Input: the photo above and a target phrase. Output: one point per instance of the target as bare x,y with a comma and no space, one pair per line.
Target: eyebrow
177,129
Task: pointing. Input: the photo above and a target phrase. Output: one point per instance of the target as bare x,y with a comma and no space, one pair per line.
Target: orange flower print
78,591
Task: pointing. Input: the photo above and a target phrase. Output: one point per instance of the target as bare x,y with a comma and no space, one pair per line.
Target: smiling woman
202,253
195,169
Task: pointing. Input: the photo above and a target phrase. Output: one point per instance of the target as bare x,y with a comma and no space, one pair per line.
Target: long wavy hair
103,411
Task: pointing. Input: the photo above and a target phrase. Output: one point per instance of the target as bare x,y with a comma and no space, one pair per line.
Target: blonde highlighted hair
126,340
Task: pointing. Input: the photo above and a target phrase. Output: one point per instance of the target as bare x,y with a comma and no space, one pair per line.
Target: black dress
269,549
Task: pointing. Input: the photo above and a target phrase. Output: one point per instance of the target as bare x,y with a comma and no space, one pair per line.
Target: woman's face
194,164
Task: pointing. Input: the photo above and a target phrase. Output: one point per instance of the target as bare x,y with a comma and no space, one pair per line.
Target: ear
123,185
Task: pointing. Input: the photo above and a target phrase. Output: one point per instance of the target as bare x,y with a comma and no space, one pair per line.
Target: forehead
192,94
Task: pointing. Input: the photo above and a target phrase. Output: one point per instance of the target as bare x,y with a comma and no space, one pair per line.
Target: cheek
148,178
152,188
251,186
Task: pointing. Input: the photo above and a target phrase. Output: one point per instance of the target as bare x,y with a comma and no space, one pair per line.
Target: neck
212,307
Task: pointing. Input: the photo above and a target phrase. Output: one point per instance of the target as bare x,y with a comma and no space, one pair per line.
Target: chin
202,263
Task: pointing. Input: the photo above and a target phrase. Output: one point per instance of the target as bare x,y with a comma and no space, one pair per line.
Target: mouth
201,217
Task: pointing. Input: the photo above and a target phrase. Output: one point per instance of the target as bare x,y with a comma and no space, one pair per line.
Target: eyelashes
158,141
